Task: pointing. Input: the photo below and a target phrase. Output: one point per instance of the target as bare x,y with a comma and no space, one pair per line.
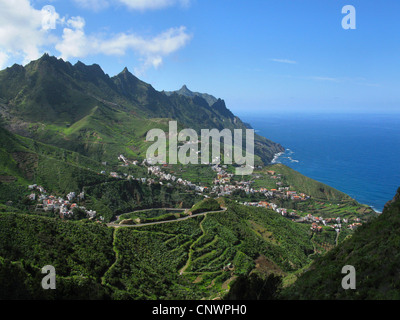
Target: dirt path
337,238
103,278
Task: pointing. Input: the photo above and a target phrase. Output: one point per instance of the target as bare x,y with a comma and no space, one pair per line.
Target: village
222,187
58,205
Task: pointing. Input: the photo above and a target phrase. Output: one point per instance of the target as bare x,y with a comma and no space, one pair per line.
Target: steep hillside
80,108
373,250
81,254
25,161
300,182
192,259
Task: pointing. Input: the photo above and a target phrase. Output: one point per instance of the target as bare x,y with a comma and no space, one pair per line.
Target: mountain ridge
184,91
48,96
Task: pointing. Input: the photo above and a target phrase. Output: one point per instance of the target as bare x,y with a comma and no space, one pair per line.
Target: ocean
358,154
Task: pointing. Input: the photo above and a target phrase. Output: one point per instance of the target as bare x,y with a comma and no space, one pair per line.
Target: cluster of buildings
62,206
163,178
334,223
223,177
126,162
223,186
354,226
157,171
272,206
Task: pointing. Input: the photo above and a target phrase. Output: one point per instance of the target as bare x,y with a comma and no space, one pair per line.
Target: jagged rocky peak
126,74
185,91
91,68
51,59
125,70
185,88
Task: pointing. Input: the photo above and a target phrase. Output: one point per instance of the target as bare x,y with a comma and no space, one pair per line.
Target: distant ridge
184,91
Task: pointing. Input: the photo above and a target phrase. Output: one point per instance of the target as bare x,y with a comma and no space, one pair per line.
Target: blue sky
258,55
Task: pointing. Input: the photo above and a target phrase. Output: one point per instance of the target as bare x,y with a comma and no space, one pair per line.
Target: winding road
114,225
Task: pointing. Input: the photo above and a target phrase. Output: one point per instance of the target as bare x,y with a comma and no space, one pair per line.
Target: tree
255,287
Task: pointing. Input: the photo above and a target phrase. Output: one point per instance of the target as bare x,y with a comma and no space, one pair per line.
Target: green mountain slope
80,108
301,183
373,250
81,254
192,259
25,161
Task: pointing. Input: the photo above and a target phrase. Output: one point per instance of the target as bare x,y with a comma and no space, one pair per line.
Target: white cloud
141,5
153,4
3,60
76,44
22,31
284,61
26,33
95,5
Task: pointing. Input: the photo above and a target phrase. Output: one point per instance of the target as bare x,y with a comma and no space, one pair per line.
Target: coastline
336,150
277,156
280,154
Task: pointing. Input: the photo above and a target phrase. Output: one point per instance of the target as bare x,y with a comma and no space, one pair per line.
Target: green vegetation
25,161
201,256
80,252
148,262
195,258
151,215
121,196
374,252
67,126
198,174
20,281
73,248
215,255
301,183
255,287
205,205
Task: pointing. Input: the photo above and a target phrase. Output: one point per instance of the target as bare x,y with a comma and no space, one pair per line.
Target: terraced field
201,256
332,209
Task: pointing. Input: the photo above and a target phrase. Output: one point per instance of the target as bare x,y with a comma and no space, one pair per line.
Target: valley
78,193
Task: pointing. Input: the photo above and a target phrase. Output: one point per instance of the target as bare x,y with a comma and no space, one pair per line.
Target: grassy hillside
81,254
205,205
25,161
200,257
301,183
122,196
374,252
